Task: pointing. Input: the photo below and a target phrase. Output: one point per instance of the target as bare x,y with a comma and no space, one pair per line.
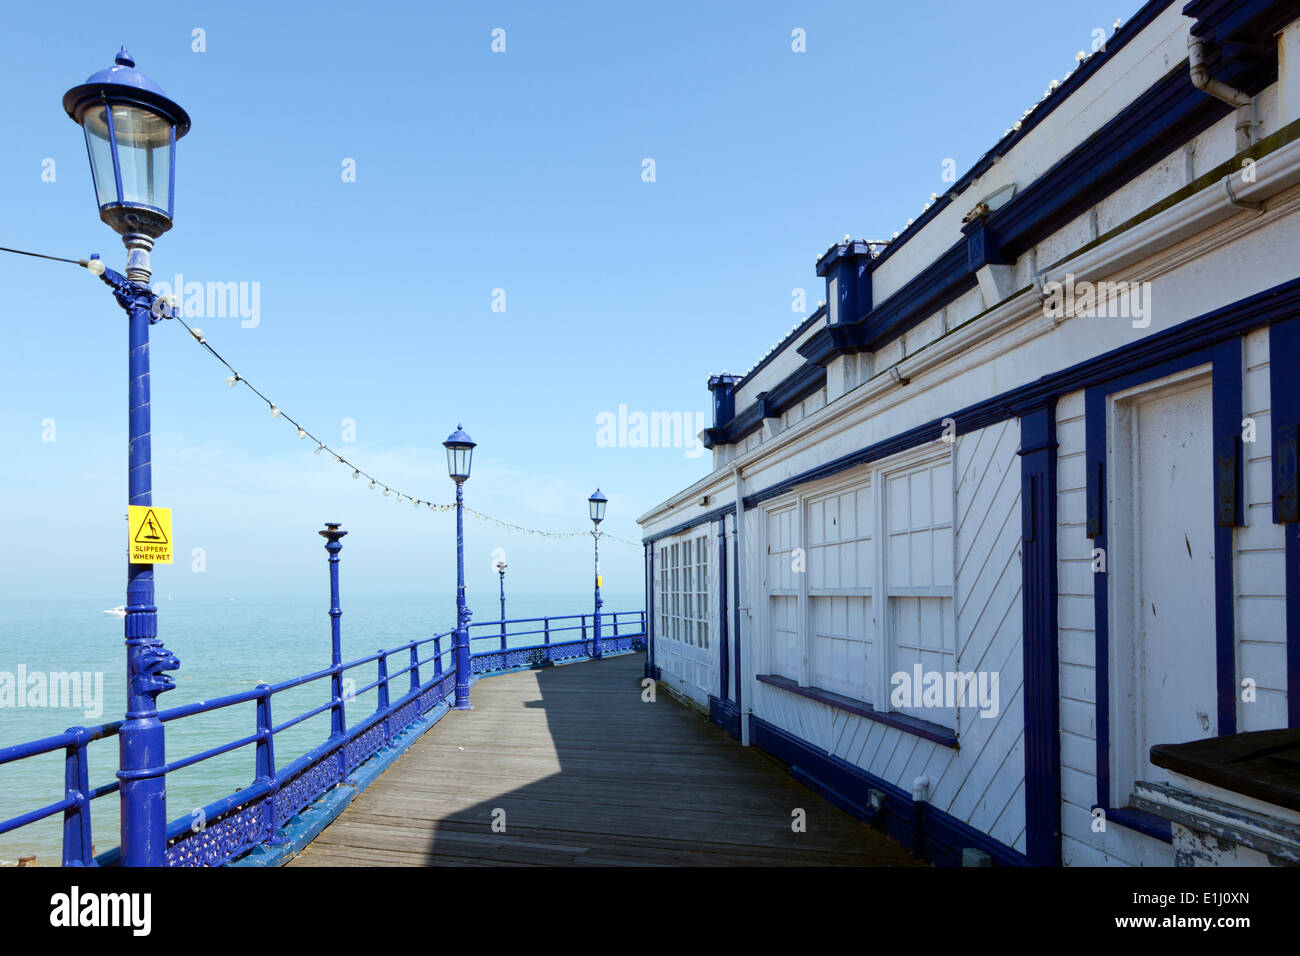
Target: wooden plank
586,773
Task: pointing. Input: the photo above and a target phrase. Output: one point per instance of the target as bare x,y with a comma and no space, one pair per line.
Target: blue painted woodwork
702,518
936,835
1284,402
1168,114
1256,311
913,725
723,389
724,650
1039,641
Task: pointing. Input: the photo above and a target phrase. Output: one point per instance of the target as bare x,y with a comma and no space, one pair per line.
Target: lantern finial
124,57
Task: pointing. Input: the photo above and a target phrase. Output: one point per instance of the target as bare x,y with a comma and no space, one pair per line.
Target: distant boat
119,611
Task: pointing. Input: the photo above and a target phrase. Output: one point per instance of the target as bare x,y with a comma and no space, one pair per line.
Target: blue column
724,651
1038,620
142,753
503,612
595,647
461,637
338,717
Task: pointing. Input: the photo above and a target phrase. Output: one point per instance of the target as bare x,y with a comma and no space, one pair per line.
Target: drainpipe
743,684
1202,80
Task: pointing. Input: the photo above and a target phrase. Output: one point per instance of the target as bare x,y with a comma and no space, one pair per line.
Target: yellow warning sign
599,582
150,540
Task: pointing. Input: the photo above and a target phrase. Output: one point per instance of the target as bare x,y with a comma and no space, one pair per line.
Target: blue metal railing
554,640
255,815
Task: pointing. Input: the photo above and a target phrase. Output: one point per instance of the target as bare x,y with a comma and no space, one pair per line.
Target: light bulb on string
317,449
275,412
355,475
232,380
302,432
372,486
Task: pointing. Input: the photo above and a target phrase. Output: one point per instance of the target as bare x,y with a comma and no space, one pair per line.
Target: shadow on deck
581,771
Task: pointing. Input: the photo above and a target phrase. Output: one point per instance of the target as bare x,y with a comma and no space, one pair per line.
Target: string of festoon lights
235,378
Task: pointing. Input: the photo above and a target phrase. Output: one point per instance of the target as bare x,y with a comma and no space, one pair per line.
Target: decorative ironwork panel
404,716
306,787
238,831
365,746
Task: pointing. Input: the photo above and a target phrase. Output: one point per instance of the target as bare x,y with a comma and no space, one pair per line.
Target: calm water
224,646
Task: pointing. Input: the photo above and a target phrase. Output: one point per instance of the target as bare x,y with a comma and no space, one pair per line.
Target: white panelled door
684,644
1161,572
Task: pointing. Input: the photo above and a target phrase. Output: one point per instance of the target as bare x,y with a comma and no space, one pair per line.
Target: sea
225,645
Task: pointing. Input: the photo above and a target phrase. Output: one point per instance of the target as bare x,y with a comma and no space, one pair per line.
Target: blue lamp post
131,131
501,571
597,504
460,450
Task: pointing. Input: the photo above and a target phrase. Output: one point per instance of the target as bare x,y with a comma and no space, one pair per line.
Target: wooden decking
581,771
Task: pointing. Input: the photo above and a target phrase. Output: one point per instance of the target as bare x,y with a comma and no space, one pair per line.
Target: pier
573,765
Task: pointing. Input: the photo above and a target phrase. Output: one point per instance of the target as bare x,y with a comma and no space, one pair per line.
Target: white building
1044,442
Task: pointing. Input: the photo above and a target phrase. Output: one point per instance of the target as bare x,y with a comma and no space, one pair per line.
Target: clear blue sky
475,171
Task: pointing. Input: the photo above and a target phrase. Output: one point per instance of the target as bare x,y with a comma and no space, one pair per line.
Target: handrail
238,822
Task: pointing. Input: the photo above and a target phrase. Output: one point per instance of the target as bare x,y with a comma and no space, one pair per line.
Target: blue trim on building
817,314
1039,636
791,390
912,725
714,515
1227,387
651,669
1284,404
1272,305
934,834
725,714
724,649
1163,118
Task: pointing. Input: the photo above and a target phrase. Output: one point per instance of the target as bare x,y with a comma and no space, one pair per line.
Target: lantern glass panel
144,142
458,460
101,156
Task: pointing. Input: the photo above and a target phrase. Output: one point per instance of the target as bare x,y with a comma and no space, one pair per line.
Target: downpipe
1201,79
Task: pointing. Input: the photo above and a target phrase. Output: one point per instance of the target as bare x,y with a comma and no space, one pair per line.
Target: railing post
77,848
383,694
415,667
546,637
338,718
265,769
437,658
